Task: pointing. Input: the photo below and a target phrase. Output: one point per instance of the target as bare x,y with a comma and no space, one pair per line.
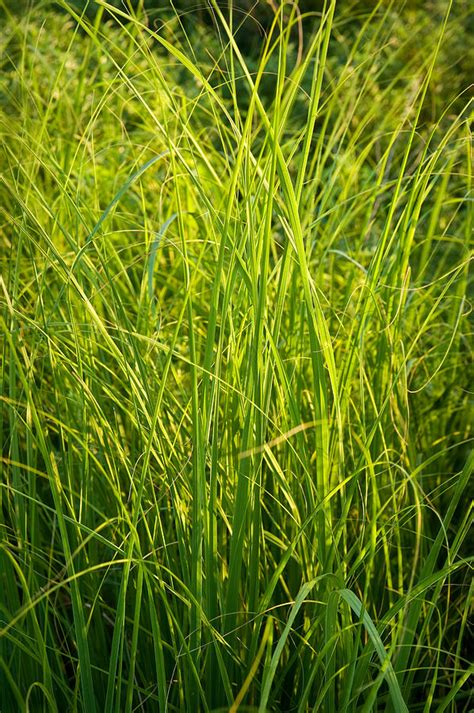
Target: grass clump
236,368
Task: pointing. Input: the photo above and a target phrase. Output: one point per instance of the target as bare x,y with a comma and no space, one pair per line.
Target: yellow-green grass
236,372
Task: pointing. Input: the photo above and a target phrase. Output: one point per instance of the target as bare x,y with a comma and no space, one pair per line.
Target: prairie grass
236,376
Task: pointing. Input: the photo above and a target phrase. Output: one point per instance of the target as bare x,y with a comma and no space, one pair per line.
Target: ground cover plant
236,376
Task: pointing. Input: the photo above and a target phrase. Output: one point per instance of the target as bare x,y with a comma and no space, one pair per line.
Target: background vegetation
236,366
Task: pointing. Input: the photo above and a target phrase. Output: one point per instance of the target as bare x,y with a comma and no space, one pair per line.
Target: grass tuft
236,367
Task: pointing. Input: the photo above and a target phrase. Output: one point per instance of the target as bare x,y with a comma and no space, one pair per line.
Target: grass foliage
236,361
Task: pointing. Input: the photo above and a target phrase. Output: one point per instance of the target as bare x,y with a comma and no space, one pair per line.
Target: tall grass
236,363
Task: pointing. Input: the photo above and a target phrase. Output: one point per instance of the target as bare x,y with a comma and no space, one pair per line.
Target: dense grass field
236,358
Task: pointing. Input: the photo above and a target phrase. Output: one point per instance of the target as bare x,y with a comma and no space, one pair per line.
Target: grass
236,368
